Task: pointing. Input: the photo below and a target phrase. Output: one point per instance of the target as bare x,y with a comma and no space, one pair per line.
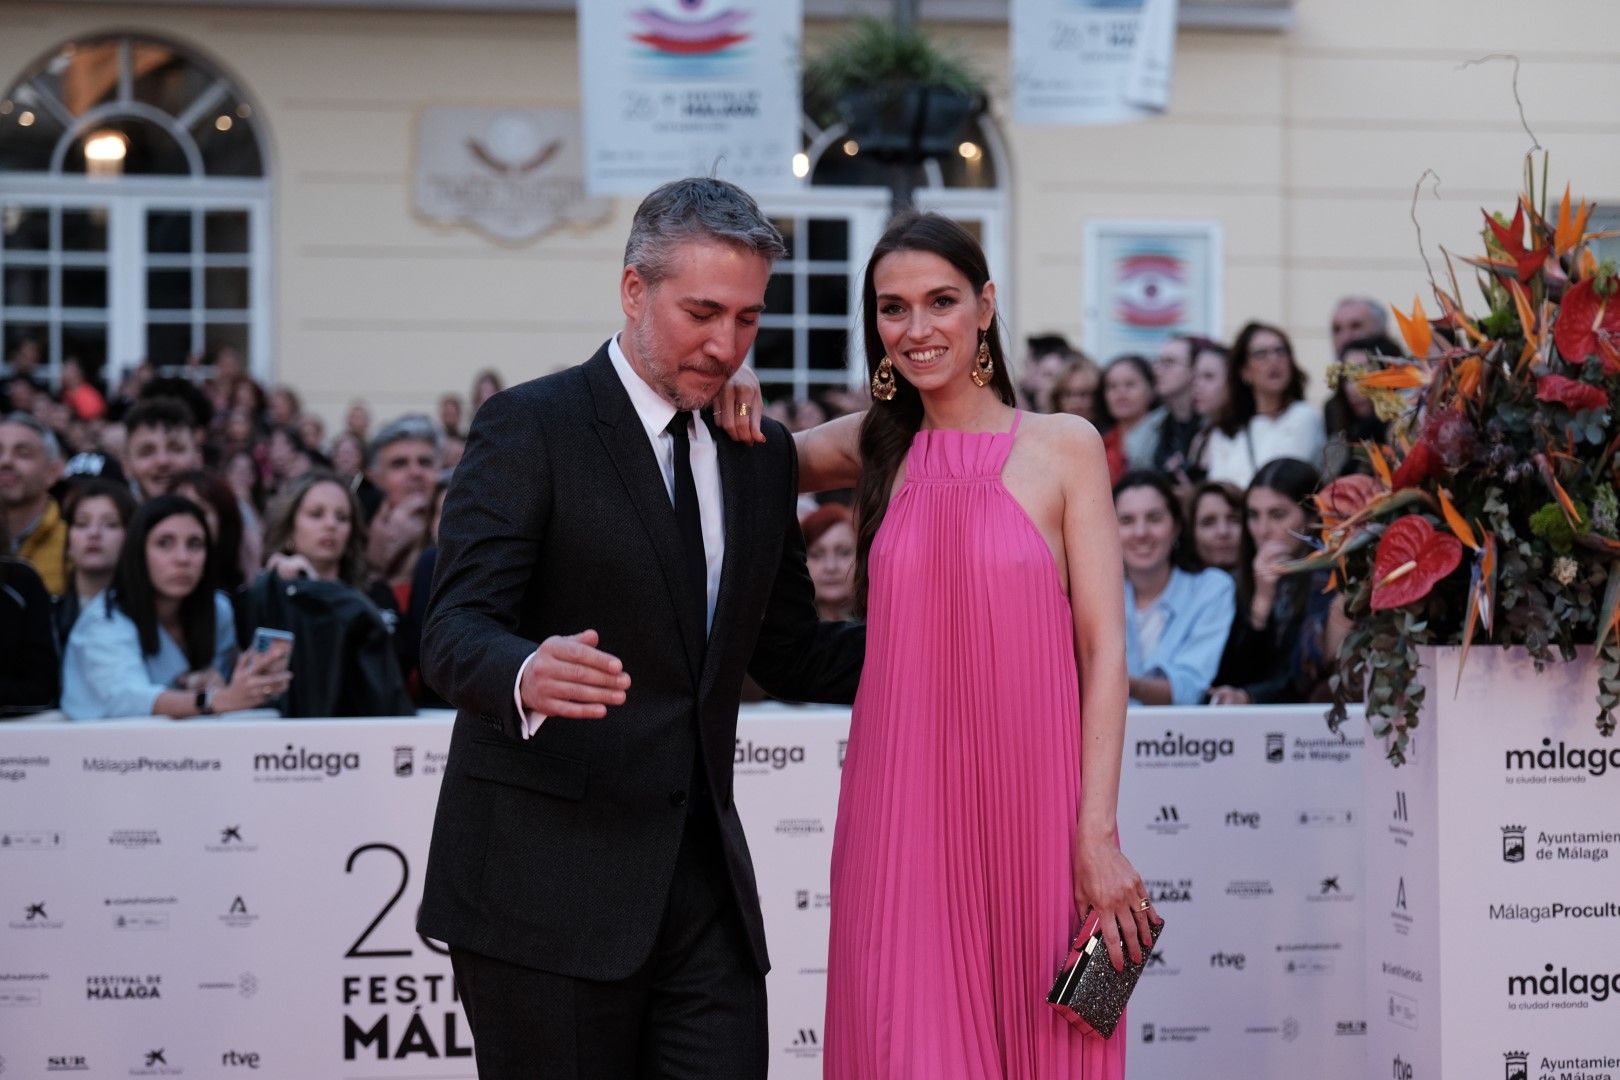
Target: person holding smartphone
161,640
314,589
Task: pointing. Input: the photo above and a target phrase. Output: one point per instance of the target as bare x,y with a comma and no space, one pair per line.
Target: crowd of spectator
157,530
1216,456
158,540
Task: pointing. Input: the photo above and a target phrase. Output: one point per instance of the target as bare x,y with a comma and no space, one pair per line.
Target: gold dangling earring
983,365
883,386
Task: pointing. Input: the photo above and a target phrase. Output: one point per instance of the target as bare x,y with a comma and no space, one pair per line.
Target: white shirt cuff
529,722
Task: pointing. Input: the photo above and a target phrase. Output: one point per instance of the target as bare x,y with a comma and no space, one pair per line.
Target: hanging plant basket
901,121
901,97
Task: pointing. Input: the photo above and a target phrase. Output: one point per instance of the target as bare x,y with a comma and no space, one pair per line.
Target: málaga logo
123,987
1177,748
1554,759
1562,983
302,763
762,756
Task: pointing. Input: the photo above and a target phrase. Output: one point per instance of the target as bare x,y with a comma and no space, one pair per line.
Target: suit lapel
632,455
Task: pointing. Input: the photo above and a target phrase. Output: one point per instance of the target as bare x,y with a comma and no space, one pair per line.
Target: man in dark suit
609,571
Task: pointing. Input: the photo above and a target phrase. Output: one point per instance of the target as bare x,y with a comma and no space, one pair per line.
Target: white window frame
127,200
867,211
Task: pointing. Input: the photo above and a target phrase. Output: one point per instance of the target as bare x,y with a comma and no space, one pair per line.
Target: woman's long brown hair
890,426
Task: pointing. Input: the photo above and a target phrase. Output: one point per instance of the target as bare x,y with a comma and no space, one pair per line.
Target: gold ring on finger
742,409
1143,904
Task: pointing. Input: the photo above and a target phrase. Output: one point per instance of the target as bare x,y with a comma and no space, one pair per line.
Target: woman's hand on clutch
1106,882
739,411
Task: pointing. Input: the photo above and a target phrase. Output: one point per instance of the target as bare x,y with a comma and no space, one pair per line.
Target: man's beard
662,373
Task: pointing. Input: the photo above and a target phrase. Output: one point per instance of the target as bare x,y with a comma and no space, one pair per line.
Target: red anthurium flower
1511,237
1346,496
1421,463
1571,393
1589,325
1412,559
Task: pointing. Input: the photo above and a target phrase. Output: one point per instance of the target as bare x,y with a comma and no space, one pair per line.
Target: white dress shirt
655,413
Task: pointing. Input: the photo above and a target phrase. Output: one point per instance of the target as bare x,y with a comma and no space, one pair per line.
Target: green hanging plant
873,54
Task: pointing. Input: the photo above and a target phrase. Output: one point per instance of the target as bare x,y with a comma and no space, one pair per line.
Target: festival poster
1091,61
674,88
1148,281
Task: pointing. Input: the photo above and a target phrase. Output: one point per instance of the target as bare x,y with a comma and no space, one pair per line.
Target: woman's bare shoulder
1061,433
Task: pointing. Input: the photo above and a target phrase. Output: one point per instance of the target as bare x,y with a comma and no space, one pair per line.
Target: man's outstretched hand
569,676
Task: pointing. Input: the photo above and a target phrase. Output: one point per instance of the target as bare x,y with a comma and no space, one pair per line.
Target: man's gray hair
414,426
697,208
53,448
1379,314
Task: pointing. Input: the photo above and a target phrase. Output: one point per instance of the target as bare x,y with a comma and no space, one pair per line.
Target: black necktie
689,521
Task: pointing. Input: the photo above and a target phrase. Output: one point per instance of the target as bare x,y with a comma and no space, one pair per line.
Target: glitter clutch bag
1088,992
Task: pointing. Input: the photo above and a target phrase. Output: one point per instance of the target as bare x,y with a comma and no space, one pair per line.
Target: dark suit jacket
557,852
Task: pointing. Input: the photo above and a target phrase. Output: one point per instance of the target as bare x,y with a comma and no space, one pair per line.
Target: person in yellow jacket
30,462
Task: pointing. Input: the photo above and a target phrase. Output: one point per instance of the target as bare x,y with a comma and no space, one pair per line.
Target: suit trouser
696,1009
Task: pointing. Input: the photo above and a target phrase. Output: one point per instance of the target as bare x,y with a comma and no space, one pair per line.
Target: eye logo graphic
1150,290
703,28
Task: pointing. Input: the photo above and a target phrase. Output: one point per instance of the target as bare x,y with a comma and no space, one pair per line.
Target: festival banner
676,88
1492,917
1148,281
216,899
1091,61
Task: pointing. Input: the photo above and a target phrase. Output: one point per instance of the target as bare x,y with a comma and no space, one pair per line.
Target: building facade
264,194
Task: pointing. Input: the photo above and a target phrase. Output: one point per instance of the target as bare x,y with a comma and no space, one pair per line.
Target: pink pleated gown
952,887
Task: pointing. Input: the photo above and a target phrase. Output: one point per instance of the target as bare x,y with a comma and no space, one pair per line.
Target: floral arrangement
1493,514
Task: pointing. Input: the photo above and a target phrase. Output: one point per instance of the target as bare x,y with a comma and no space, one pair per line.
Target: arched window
133,208
809,337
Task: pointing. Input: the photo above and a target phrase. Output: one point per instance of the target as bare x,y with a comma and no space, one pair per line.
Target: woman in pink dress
976,817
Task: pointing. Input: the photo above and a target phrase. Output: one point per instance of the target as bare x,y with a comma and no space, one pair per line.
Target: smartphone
277,643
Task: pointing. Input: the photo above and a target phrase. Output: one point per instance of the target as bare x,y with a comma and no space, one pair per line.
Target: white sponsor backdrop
1493,905
212,900
689,88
